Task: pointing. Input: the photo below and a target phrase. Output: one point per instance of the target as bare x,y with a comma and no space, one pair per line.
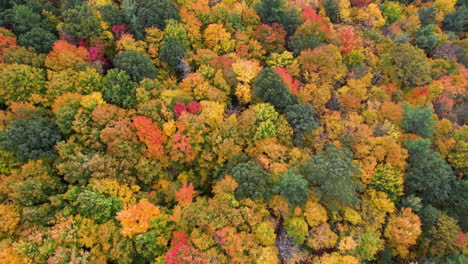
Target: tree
31,139
456,20
303,119
22,18
270,88
151,13
388,180
427,39
66,56
19,82
135,219
293,187
271,37
253,182
172,52
427,15
392,11
35,183
38,38
81,23
136,64
441,239
119,89
402,231
418,120
406,65
297,229
428,175
271,11
332,173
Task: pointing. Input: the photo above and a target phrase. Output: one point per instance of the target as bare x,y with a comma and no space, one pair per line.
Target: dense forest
233,131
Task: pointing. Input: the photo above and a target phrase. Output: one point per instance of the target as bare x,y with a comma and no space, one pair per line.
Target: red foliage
194,107
6,42
96,52
419,96
289,81
118,30
181,148
443,107
150,134
349,39
179,108
311,17
222,63
184,195
183,251
271,37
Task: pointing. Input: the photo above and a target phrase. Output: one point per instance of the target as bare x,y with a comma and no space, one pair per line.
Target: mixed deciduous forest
233,131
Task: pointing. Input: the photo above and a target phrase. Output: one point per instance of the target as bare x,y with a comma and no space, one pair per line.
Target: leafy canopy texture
418,120
270,88
428,175
253,182
31,139
136,64
332,173
293,187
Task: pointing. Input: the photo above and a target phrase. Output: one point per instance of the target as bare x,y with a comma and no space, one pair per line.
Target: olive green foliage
172,52
293,187
428,175
333,175
303,119
388,180
119,89
270,88
81,23
406,65
253,182
136,64
427,39
38,38
18,82
271,11
149,13
457,20
31,139
418,120
89,203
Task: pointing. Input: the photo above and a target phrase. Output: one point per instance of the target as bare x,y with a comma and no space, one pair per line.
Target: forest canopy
233,131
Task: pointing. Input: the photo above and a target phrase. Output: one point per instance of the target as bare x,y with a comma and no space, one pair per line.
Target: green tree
293,187
31,139
19,82
440,241
150,13
428,176
253,182
81,23
303,119
88,203
388,180
270,88
119,89
426,39
271,11
113,14
35,183
333,172
136,64
427,15
38,38
392,11
172,53
407,65
418,120
457,20
22,19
